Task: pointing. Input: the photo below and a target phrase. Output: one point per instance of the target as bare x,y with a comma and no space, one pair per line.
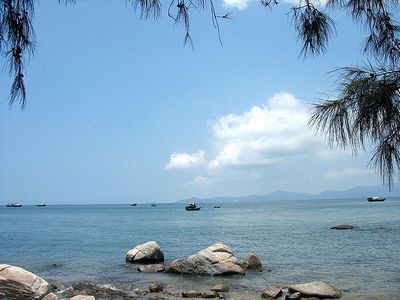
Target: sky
120,111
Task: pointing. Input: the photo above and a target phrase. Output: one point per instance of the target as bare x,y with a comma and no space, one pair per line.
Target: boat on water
133,204
13,204
376,199
153,205
192,206
41,205
217,206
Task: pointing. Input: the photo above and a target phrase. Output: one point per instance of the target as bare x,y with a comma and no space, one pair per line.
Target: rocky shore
215,260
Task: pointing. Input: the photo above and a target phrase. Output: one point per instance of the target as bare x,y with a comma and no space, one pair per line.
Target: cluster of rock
216,260
312,290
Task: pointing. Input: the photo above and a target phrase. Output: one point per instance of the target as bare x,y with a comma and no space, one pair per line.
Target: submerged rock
192,294
156,287
343,227
220,288
320,290
149,252
97,292
151,268
252,262
217,259
17,283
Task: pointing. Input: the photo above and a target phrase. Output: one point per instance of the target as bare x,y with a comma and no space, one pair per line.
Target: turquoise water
89,242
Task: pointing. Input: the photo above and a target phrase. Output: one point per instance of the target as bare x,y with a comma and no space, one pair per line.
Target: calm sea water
89,242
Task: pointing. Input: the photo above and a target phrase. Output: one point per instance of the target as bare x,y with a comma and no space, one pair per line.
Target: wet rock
149,252
50,296
83,297
344,227
316,289
141,291
156,287
220,288
17,283
217,259
97,291
154,268
295,296
252,262
271,292
210,294
192,294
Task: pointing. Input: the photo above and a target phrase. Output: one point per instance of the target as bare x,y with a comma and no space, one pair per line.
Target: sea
88,243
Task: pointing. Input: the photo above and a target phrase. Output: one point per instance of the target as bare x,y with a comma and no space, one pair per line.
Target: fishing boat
41,205
133,204
217,206
192,206
153,205
376,199
13,204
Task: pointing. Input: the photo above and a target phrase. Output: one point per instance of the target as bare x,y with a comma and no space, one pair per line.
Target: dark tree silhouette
366,111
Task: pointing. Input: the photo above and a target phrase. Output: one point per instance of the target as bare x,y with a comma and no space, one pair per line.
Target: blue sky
119,111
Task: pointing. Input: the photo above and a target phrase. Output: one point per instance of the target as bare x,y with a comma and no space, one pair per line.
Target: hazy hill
356,192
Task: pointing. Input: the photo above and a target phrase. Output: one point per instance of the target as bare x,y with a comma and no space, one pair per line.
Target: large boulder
320,290
217,259
149,252
19,284
252,262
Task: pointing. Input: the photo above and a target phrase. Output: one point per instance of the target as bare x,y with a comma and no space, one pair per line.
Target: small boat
153,205
192,206
133,204
376,199
41,205
13,205
217,206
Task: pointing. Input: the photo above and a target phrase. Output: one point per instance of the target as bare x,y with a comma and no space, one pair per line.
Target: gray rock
156,287
295,296
83,297
149,252
17,283
217,259
344,227
50,296
220,288
316,289
154,268
192,294
209,294
252,262
141,291
96,291
271,292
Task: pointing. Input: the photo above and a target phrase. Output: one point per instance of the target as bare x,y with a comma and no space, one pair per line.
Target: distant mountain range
356,192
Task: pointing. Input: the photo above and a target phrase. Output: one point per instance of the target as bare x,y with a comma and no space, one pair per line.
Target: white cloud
185,160
264,135
239,4
345,173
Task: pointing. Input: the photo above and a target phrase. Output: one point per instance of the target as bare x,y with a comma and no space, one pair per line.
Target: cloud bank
264,135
